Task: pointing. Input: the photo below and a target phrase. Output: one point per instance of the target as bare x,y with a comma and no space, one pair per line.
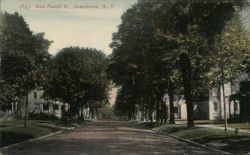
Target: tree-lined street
108,138
171,61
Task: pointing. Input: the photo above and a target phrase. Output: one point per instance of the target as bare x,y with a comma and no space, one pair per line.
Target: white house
36,104
211,109
216,104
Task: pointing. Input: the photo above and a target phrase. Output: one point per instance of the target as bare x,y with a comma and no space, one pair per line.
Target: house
11,107
37,105
212,106
179,106
235,108
216,102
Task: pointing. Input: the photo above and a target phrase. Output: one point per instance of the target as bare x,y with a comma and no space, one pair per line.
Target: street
107,138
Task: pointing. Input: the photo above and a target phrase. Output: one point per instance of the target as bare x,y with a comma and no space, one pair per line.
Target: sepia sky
84,23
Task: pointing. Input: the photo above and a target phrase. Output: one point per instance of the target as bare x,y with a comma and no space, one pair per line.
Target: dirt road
107,138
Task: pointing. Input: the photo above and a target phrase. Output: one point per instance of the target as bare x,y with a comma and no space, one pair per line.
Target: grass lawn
212,137
15,134
200,122
220,123
244,126
12,132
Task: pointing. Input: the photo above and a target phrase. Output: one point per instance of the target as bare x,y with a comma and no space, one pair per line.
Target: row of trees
76,76
176,47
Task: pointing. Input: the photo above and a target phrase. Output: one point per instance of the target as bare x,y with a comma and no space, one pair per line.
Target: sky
84,23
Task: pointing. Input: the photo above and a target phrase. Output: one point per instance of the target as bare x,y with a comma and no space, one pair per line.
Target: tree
193,27
105,112
136,58
23,55
232,48
124,105
77,77
155,36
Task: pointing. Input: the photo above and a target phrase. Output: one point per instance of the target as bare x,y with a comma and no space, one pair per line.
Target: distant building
179,106
10,110
216,108
213,107
36,104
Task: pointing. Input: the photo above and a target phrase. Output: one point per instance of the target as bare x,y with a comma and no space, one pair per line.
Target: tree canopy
23,55
158,38
78,77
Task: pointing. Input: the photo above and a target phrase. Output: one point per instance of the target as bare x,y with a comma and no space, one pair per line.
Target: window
55,107
35,95
45,106
215,106
176,110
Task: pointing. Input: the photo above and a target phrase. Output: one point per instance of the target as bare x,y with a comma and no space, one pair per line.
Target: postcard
124,77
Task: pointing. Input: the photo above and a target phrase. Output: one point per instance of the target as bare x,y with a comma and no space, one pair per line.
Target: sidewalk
222,128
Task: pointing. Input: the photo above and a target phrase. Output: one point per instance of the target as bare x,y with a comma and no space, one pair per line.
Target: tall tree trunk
190,115
96,112
225,106
189,103
220,103
159,99
186,77
142,112
92,113
164,112
161,112
82,112
234,110
26,110
224,102
150,113
229,104
157,111
171,103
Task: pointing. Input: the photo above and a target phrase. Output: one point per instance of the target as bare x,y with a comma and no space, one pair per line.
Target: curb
30,140
192,142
